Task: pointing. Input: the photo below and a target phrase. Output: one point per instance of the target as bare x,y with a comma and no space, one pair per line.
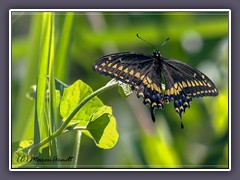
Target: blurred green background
199,39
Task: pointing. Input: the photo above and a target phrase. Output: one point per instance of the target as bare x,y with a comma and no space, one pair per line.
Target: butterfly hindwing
150,90
183,83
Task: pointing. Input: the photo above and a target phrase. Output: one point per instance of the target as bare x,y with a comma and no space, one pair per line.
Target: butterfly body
148,73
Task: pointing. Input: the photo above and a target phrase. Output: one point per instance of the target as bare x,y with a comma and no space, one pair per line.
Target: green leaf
72,96
59,85
102,128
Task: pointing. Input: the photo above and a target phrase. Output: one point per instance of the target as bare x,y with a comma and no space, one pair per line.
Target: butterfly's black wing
184,82
139,70
145,74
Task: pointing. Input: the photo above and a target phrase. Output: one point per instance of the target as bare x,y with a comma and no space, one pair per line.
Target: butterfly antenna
165,42
146,42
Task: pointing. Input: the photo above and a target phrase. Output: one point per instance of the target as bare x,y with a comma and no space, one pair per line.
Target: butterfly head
157,54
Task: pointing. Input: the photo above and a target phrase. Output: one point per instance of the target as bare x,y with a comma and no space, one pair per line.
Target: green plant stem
76,148
108,86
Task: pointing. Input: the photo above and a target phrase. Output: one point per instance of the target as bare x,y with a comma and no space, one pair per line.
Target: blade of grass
41,79
64,47
22,121
61,70
52,91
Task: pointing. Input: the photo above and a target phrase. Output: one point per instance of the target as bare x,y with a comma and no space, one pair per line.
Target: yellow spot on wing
167,92
149,80
189,84
193,84
196,83
184,84
145,81
131,72
147,100
109,64
137,75
120,68
115,66
155,87
126,70
171,91
176,109
154,104
103,64
176,91
209,85
180,85
175,85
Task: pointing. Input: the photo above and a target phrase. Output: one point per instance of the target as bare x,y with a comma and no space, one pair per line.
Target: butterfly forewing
127,67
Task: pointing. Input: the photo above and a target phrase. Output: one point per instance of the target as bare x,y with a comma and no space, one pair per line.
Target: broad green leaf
72,96
102,128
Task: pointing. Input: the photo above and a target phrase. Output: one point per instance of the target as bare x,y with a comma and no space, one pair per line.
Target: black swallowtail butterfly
147,74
